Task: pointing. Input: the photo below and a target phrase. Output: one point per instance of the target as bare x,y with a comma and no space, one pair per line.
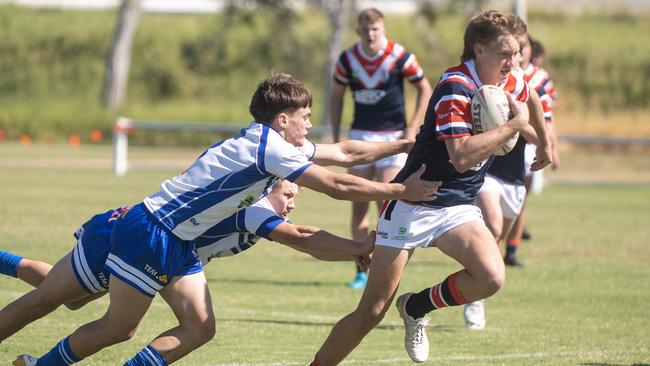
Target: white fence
125,126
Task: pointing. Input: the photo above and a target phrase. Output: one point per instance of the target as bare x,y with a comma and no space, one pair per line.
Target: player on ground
152,243
451,222
502,194
374,69
540,81
81,276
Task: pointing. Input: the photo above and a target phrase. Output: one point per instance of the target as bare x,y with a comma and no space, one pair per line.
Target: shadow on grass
390,327
612,364
259,281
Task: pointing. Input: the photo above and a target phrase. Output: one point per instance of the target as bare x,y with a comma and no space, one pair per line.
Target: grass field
582,298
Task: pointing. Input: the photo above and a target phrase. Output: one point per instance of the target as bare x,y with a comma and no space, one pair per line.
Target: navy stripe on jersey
202,198
268,226
262,148
293,176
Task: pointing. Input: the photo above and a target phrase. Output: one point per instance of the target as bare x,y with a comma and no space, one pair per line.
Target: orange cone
74,141
96,136
25,139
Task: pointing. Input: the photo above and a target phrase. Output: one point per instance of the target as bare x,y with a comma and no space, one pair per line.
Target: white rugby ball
490,109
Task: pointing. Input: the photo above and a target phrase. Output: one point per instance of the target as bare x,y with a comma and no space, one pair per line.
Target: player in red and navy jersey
374,69
502,194
458,157
539,80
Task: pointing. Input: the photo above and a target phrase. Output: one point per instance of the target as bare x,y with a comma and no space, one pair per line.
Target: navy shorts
90,252
147,256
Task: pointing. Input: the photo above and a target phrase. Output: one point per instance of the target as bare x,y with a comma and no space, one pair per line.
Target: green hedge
204,67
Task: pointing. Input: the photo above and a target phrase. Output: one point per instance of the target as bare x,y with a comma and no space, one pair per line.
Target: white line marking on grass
450,358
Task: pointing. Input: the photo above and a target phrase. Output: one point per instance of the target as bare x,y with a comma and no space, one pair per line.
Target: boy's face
297,126
371,35
282,198
495,60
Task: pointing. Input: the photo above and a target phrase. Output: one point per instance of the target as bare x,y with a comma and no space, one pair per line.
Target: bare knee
493,281
371,315
117,332
199,331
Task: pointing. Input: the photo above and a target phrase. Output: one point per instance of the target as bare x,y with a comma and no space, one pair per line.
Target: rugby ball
490,109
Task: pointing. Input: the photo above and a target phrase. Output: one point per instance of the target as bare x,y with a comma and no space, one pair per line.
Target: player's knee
494,281
117,332
205,331
373,314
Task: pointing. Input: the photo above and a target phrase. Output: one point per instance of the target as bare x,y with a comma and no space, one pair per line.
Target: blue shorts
147,256
90,253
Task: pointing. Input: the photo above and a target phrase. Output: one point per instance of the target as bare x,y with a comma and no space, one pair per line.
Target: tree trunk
119,57
338,13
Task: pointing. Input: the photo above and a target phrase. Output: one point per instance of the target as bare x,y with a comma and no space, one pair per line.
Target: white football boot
415,337
25,360
474,315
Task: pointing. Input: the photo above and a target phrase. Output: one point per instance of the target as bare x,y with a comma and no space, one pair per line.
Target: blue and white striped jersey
229,176
238,232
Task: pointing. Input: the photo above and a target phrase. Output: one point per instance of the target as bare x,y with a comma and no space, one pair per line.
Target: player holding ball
454,154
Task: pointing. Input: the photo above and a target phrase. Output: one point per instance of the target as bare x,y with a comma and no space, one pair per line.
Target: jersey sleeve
341,70
283,159
411,69
261,220
308,149
449,110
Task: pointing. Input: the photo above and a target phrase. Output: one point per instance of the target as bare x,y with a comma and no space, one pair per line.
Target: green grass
581,300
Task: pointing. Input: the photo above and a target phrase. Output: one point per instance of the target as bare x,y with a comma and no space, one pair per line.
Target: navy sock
147,356
9,263
60,355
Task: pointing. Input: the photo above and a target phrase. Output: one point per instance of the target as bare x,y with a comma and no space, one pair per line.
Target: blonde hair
488,27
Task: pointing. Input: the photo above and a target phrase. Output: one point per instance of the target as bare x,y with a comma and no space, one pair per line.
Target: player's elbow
460,164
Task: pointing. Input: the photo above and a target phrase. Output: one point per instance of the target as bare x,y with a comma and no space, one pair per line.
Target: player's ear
478,49
283,119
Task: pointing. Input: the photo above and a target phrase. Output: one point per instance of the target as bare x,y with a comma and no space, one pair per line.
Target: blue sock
146,357
9,263
60,355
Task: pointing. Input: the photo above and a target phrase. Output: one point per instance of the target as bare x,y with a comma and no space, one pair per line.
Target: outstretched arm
319,243
352,188
354,152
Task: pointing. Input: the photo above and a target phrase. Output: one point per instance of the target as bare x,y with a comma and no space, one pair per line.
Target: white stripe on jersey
254,217
380,74
451,97
454,124
229,176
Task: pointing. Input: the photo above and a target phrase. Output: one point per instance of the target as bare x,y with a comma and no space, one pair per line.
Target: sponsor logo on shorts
383,234
401,234
152,271
102,279
162,278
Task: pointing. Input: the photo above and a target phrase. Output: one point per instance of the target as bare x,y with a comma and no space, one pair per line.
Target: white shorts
379,136
512,195
408,226
537,177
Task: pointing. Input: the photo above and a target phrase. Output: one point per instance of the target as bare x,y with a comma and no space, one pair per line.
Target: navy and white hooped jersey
229,176
449,116
238,232
377,84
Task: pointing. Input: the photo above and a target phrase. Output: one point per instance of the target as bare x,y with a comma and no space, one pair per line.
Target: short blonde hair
369,15
488,27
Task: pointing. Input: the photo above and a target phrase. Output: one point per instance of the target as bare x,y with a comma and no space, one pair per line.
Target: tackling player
451,222
151,245
374,69
81,276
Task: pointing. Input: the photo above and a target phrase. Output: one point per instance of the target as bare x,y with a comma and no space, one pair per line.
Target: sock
147,356
439,296
60,355
315,361
511,248
9,263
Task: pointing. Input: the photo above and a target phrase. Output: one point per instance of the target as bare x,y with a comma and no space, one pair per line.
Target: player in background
152,244
502,194
540,81
374,69
459,158
81,276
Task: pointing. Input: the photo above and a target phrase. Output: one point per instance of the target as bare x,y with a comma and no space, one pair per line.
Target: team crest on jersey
369,96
